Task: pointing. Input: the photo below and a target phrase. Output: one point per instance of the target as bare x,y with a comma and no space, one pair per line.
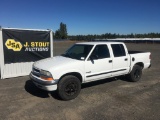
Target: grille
36,72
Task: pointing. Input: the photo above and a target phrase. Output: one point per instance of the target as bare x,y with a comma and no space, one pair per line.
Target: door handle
110,61
125,59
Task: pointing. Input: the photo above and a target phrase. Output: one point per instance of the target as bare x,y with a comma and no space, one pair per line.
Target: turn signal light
47,78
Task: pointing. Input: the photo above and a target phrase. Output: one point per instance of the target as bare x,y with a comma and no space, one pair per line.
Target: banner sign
25,45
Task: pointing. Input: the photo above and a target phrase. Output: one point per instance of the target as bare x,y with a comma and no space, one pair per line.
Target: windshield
78,51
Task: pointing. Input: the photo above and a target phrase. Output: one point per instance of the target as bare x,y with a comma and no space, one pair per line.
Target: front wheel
135,74
69,87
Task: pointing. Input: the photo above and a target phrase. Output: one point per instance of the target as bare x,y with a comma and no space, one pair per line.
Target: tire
69,87
135,74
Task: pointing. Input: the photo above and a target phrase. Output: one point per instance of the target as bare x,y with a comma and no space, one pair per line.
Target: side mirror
93,57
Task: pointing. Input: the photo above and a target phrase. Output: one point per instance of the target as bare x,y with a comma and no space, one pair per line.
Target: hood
54,62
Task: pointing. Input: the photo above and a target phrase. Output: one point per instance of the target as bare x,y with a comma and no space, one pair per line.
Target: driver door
99,64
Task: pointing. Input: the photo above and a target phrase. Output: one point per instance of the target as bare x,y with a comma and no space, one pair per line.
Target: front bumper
44,84
150,65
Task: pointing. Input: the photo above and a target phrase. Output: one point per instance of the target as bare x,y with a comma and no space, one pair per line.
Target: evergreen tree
57,34
61,33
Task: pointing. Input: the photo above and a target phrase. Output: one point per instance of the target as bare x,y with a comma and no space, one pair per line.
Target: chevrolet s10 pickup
87,62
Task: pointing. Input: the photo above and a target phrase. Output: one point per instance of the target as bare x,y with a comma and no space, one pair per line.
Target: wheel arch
76,74
141,64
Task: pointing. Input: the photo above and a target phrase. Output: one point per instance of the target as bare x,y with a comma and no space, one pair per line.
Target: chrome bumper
43,84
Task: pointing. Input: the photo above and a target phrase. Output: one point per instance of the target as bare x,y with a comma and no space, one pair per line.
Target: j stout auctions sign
25,45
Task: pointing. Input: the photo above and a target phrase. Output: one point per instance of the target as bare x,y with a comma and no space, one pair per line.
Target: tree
57,34
111,36
61,33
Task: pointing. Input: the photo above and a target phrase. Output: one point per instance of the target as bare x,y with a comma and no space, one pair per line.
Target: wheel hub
71,89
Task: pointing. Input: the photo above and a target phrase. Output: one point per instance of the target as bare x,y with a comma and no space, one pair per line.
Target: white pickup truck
86,62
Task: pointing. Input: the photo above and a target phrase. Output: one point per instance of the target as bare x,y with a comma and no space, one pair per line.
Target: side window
118,50
101,51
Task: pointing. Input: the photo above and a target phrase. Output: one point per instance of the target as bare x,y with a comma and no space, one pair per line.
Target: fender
60,74
57,74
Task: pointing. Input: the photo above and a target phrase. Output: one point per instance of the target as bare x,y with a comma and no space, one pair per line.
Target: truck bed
136,52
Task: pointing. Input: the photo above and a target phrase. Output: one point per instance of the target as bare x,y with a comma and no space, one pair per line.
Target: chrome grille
36,72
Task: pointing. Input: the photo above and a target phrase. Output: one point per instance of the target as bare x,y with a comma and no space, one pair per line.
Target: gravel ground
109,99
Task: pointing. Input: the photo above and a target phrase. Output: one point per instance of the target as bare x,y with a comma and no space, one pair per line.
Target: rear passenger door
120,60
99,63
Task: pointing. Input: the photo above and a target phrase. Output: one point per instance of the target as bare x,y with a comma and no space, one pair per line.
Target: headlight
45,73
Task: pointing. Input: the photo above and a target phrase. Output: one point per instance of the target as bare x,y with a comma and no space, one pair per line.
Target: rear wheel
69,87
135,74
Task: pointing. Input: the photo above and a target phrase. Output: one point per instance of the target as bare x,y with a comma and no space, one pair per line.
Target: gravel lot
109,99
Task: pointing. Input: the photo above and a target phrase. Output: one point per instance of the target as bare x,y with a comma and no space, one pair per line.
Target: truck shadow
33,90
95,83
86,85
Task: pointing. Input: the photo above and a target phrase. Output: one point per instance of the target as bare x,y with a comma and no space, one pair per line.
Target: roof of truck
97,43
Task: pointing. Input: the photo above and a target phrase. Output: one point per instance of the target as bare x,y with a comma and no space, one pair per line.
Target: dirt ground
109,99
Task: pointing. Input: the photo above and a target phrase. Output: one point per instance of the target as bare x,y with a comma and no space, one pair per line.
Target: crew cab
87,62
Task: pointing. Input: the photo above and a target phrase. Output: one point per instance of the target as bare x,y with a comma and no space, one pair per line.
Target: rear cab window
118,50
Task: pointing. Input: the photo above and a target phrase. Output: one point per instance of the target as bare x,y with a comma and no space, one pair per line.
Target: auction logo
12,44
29,46
36,46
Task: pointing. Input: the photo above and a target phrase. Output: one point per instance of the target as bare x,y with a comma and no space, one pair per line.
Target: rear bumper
43,84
